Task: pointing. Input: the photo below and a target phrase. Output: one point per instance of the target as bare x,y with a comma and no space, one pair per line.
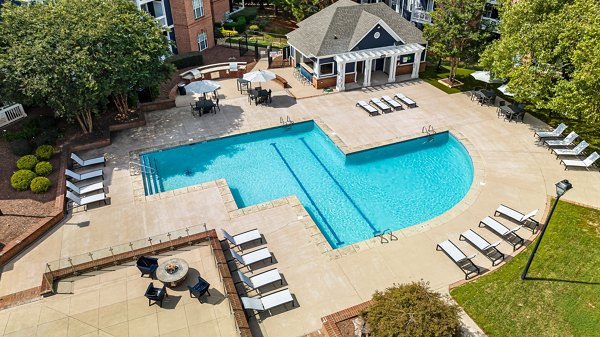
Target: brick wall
186,27
219,7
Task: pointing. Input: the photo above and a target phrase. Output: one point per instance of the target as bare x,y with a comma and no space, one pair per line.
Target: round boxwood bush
254,28
21,179
412,310
44,152
40,184
27,162
43,168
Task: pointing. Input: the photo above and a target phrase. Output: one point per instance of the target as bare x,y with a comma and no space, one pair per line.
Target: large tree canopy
549,50
301,9
72,55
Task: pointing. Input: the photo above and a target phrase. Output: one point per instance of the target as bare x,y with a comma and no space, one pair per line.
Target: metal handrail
151,170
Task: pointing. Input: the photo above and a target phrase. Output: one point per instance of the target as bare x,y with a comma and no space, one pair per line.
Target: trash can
181,88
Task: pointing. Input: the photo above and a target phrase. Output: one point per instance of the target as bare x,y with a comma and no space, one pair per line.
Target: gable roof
337,28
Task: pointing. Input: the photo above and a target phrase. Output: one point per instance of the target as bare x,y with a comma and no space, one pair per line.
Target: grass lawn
462,74
561,296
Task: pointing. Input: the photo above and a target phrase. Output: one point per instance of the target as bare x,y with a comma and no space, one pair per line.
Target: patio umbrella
485,76
202,87
504,89
259,76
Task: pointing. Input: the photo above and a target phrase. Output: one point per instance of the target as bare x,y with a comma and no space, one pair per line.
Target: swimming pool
351,198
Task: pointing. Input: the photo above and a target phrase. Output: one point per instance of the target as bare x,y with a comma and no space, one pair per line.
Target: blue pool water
351,198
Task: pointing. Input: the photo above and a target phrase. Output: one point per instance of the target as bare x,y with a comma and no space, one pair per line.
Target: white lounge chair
241,238
81,190
586,163
562,142
488,249
577,150
512,214
552,134
409,102
252,257
267,302
85,175
79,201
88,162
262,279
392,103
461,260
382,106
371,110
509,235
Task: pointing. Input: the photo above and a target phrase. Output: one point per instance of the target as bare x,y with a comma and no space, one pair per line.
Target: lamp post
561,188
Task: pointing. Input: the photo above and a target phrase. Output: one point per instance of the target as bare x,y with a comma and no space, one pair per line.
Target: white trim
205,40
362,55
385,27
332,68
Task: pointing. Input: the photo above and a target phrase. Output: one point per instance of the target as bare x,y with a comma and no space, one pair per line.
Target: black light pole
561,188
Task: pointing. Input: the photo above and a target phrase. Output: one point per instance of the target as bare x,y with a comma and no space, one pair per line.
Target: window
198,8
404,59
202,41
326,69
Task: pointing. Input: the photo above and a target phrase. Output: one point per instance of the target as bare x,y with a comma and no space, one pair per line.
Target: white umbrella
485,76
259,76
202,87
504,89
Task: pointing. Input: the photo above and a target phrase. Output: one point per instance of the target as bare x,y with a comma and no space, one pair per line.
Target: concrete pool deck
514,170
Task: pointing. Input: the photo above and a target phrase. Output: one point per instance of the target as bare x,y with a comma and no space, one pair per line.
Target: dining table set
484,96
259,96
204,105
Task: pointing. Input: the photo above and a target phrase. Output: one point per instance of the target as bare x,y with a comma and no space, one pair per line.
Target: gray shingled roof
337,28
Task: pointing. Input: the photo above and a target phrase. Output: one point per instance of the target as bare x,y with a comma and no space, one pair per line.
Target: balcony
489,23
420,16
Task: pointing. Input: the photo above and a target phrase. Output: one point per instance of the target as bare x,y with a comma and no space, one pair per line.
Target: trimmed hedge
40,184
21,179
27,162
239,25
44,152
43,168
248,12
229,33
192,59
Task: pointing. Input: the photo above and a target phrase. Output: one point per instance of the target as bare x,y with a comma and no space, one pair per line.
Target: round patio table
172,272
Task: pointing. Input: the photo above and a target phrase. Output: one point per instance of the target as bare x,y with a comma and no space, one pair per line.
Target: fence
11,113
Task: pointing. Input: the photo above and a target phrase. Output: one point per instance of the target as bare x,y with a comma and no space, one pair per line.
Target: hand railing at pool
383,239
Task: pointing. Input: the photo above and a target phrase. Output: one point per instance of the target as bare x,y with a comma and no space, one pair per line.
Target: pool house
349,45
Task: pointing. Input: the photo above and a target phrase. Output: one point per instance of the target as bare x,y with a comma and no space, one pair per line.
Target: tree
72,55
301,9
549,50
412,310
455,32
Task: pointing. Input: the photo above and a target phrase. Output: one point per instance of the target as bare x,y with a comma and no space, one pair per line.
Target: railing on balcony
420,16
11,113
490,24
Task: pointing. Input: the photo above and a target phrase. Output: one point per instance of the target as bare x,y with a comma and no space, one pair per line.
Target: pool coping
315,234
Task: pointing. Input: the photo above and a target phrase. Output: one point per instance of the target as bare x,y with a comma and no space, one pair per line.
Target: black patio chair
217,104
199,288
147,265
156,294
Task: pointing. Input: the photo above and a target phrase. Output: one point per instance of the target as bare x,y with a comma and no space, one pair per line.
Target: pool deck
511,168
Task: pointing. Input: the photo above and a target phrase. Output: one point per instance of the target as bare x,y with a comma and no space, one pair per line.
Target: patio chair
147,265
249,258
488,249
462,261
199,288
79,201
267,302
196,111
568,140
371,110
587,162
382,106
392,103
88,162
508,234
244,237
577,150
85,175
156,294
499,111
551,134
81,190
409,102
262,279
523,219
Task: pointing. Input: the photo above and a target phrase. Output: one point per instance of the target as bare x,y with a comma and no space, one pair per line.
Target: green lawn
561,296
462,74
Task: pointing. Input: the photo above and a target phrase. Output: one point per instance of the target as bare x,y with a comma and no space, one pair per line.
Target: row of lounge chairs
256,281
83,188
386,104
560,147
488,249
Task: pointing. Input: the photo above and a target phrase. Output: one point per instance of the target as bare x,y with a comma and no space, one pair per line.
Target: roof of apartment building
339,27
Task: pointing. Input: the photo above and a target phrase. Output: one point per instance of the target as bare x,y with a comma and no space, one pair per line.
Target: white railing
420,16
11,113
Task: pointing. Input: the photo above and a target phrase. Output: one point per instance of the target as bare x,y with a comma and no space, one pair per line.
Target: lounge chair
388,100
568,140
252,257
371,110
577,150
262,279
488,249
81,190
85,175
88,162
241,238
409,102
79,201
587,162
267,302
508,234
382,106
523,219
461,260
551,134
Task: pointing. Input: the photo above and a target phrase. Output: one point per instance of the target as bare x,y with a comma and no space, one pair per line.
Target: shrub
21,179
248,12
44,152
47,137
43,168
412,310
27,162
229,33
193,59
21,147
40,184
46,122
254,28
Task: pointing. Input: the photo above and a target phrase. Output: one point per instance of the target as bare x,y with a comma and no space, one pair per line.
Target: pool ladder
430,131
287,121
383,239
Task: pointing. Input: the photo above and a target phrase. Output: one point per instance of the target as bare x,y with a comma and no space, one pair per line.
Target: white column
392,74
416,64
367,79
340,84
